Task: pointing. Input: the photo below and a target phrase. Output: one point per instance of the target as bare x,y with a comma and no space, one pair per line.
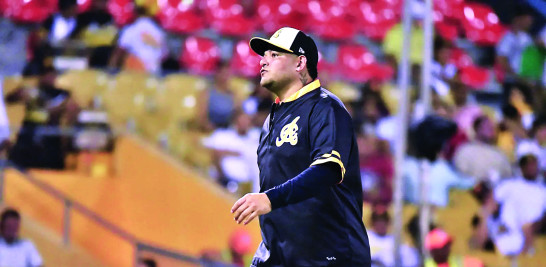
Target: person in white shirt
143,40
511,212
61,26
234,153
14,251
4,121
382,243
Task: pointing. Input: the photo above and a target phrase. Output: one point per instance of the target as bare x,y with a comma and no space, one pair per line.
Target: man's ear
302,63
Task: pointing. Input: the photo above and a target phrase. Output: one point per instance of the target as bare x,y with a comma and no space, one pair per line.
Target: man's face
441,255
278,69
530,170
381,227
10,229
486,131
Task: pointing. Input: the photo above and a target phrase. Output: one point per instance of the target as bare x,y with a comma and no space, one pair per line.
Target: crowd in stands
489,83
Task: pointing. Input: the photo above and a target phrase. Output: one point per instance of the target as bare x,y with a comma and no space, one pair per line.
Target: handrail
139,245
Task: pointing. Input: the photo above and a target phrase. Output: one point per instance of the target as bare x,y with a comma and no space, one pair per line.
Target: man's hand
250,206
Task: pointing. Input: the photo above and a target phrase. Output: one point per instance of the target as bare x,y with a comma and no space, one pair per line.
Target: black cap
288,40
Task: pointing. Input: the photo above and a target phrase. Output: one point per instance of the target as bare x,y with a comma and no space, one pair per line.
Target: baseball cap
436,239
288,40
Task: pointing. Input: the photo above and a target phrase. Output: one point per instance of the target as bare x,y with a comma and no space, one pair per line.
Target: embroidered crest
289,134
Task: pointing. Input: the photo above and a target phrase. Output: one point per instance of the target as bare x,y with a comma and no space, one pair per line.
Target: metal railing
70,205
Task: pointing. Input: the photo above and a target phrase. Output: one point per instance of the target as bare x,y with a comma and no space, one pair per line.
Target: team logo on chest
289,134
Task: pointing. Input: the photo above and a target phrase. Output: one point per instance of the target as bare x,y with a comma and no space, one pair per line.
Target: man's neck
291,89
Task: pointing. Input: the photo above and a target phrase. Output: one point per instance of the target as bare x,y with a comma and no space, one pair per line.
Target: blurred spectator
392,43
441,179
465,112
234,153
526,197
146,262
218,102
62,25
480,158
15,251
536,144
39,142
141,45
97,30
443,72
382,243
510,49
240,247
438,243
376,169
13,45
258,104
541,42
370,108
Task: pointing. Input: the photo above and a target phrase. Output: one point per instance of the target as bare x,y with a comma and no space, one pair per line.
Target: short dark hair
8,213
523,161
478,122
148,262
66,4
312,69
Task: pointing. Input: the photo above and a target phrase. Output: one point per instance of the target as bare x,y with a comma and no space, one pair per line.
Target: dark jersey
312,127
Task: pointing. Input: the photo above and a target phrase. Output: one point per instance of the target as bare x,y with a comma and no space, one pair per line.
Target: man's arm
307,184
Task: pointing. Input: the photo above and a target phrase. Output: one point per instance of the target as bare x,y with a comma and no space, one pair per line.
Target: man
310,198
382,243
438,243
13,250
481,159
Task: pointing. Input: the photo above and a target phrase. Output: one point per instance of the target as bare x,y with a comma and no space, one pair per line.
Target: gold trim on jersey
304,90
331,157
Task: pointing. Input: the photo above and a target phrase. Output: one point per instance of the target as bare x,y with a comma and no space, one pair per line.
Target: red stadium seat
460,58
227,18
123,11
84,5
177,17
481,24
330,20
29,11
396,6
451,9
245,62
375,19
359,65
200,55
274,15
446,30
475,77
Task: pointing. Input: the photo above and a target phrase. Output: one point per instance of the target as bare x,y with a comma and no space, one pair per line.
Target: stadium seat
84,5
84,85
460,58
122,11
450,9
446,30
475,77
330,20
29,11
396,6
227,18
481,24
376,18
245,62
178,17
200,55
359,65
274,15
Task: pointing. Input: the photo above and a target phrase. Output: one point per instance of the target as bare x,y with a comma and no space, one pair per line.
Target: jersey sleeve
331,134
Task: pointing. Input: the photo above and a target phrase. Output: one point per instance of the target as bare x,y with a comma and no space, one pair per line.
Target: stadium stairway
152,196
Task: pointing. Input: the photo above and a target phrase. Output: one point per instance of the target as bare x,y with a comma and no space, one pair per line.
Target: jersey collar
304,90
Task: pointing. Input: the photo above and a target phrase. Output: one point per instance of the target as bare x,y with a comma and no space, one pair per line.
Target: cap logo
277,33
301,50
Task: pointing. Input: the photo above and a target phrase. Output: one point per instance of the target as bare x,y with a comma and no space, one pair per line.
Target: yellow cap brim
260,45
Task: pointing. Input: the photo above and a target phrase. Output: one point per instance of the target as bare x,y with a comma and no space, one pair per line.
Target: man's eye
274,55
